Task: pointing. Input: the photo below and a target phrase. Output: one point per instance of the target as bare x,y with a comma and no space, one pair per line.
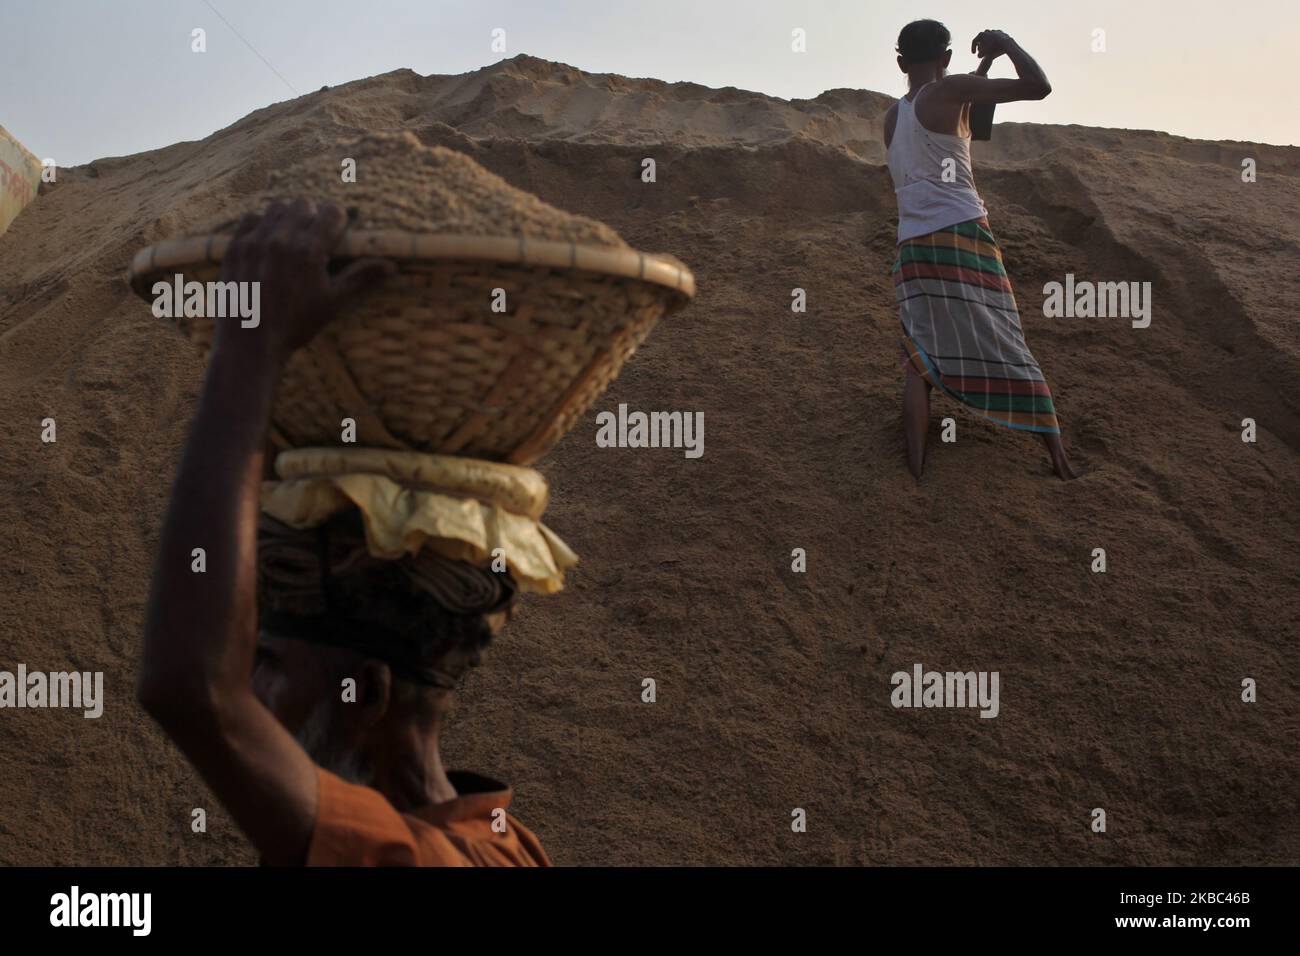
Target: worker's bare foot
916,460
1061,465
1066,471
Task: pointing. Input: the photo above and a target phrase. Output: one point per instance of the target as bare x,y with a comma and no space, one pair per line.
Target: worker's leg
916,419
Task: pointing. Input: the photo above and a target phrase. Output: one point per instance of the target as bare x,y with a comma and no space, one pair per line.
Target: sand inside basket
403,184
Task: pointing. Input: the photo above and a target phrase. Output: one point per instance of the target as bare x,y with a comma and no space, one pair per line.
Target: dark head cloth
424,615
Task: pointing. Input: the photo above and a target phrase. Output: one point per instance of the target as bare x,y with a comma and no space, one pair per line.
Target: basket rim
625,263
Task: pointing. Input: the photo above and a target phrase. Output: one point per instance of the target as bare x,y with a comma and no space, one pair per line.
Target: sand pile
1119,690
396,182
420,362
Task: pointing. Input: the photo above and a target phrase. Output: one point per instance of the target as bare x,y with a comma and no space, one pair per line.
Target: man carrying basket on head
314,717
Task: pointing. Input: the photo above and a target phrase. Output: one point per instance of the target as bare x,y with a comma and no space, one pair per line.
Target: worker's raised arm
201,626
1030,83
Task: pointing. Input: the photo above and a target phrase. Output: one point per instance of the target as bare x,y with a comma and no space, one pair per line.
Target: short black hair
922,41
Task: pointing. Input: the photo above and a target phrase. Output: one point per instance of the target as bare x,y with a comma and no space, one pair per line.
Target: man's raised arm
201,626
1030,83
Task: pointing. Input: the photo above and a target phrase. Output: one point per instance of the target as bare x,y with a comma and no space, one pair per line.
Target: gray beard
315,738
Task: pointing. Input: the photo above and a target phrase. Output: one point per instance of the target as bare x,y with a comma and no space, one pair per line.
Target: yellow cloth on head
462,508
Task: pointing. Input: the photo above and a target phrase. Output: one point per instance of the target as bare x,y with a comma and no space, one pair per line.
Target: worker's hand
286,250
991,44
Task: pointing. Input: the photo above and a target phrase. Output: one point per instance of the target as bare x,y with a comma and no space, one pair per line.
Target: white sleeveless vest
916,163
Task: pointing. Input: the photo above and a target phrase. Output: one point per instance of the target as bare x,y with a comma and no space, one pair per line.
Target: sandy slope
1118,690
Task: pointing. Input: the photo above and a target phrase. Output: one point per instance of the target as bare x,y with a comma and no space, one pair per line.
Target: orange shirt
357,826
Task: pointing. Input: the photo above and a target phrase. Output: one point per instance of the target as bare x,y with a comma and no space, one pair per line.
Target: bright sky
83,79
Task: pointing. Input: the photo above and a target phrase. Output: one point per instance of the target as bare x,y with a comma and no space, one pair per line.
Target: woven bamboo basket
422,363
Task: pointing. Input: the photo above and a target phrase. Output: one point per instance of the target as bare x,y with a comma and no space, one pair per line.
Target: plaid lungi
961,330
